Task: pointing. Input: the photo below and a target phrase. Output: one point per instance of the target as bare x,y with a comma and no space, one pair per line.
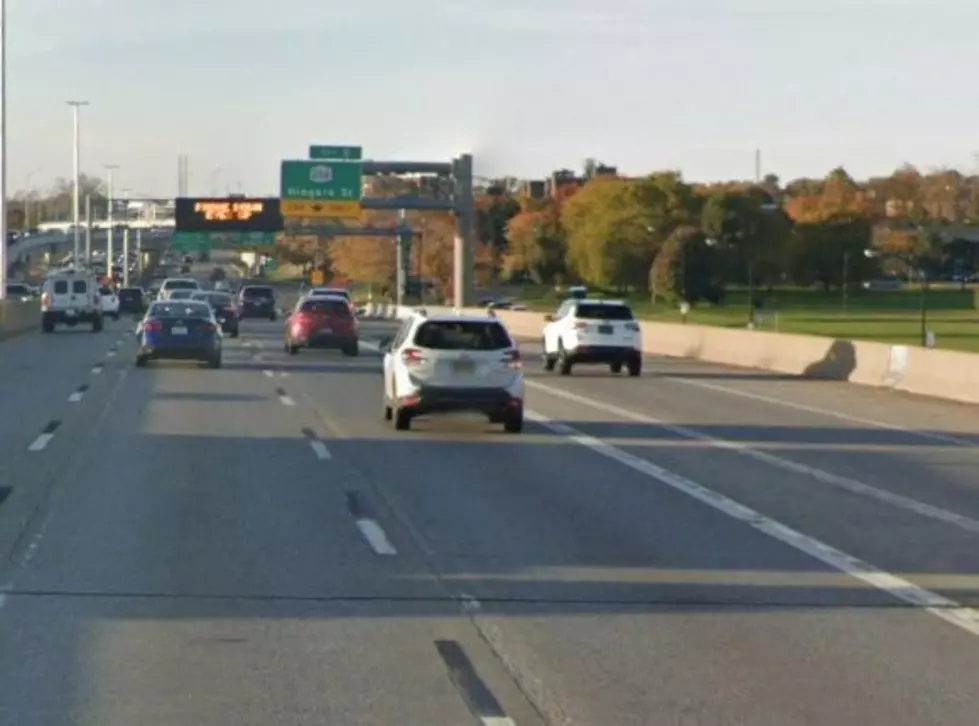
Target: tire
402,419
549,360
616,368
387,411
564,363
292,349
273,317
513,421
214,362
352,351
635,367
141,361
47,326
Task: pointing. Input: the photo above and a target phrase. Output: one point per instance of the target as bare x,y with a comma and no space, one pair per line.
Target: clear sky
527,86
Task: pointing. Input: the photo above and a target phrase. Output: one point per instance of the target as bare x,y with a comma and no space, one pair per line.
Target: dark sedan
184,330
256,301
225,310
132,300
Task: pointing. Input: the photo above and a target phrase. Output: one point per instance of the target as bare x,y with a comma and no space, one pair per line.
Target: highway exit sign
321,181
336,153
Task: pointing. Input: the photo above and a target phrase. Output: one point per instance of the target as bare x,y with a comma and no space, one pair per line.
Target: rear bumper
61,317
257,312
229,325
489,401
603,354
150,352
331,341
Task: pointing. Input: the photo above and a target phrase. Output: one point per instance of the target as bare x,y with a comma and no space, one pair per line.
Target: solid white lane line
41,442
376,537
841,482
927,435
938,605
319,448
497,721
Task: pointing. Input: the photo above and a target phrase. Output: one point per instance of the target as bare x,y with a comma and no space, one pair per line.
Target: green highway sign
324,181
203,241
337,153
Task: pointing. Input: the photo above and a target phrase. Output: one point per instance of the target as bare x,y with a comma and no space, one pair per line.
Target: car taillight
209,327
412,356
45,301
511,358
634,327
152,326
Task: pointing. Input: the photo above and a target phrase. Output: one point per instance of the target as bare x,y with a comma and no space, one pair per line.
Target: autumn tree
535,245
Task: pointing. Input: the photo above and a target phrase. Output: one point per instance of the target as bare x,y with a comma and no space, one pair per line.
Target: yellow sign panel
316,277
315,209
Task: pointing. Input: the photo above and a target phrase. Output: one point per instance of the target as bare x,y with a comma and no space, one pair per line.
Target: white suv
445,363
592,331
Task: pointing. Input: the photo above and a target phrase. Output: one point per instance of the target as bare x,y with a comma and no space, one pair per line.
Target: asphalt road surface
254,545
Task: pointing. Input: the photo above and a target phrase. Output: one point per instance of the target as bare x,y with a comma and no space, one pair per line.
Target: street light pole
76,173
109,251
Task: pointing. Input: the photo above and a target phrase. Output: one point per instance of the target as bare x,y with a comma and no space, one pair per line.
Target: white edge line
948,610
376,537
319,448
853,486
40,442
927,435
497,721
287,401
75,397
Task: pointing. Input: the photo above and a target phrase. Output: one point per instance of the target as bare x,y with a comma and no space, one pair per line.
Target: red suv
322,322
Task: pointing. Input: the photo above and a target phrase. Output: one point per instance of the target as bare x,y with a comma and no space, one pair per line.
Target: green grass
892,317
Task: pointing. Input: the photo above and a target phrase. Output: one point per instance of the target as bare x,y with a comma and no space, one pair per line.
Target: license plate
463,366
71,312
605,329
178,330
326,331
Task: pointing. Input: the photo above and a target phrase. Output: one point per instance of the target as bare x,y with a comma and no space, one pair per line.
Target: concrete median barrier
937,373
18,317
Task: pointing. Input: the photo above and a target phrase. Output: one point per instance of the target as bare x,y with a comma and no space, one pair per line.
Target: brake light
634,327
210,327
511,359
412,356
152,326
45,301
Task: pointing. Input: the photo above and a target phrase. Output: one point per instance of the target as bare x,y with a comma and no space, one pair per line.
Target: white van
69,297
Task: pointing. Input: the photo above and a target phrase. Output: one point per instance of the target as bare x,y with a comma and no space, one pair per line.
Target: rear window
462,335
61,287
603,312
214,298
180,310
327,307
257,292
79,287
328,291
180,285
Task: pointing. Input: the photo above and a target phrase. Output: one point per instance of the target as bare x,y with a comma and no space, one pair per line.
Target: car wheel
513,421
616,368
402,419
635,367
352,351
293,349
564,363
214,362
387,411
272,317
141,361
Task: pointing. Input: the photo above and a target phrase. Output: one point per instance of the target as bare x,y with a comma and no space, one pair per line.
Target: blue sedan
179,330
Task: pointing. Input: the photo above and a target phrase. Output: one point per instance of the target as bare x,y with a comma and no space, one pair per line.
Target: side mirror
549,318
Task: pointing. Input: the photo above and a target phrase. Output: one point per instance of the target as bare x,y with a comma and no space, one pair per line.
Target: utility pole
125,256
139,251
110,255
76,173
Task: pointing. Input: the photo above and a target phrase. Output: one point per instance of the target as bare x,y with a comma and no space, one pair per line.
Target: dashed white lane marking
96,370
287,400
111,354
376,537
928,435
497,721
319,448
41,442
267,373
841,482
938,605
75,397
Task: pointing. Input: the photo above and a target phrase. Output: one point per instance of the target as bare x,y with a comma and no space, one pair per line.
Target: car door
552,330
